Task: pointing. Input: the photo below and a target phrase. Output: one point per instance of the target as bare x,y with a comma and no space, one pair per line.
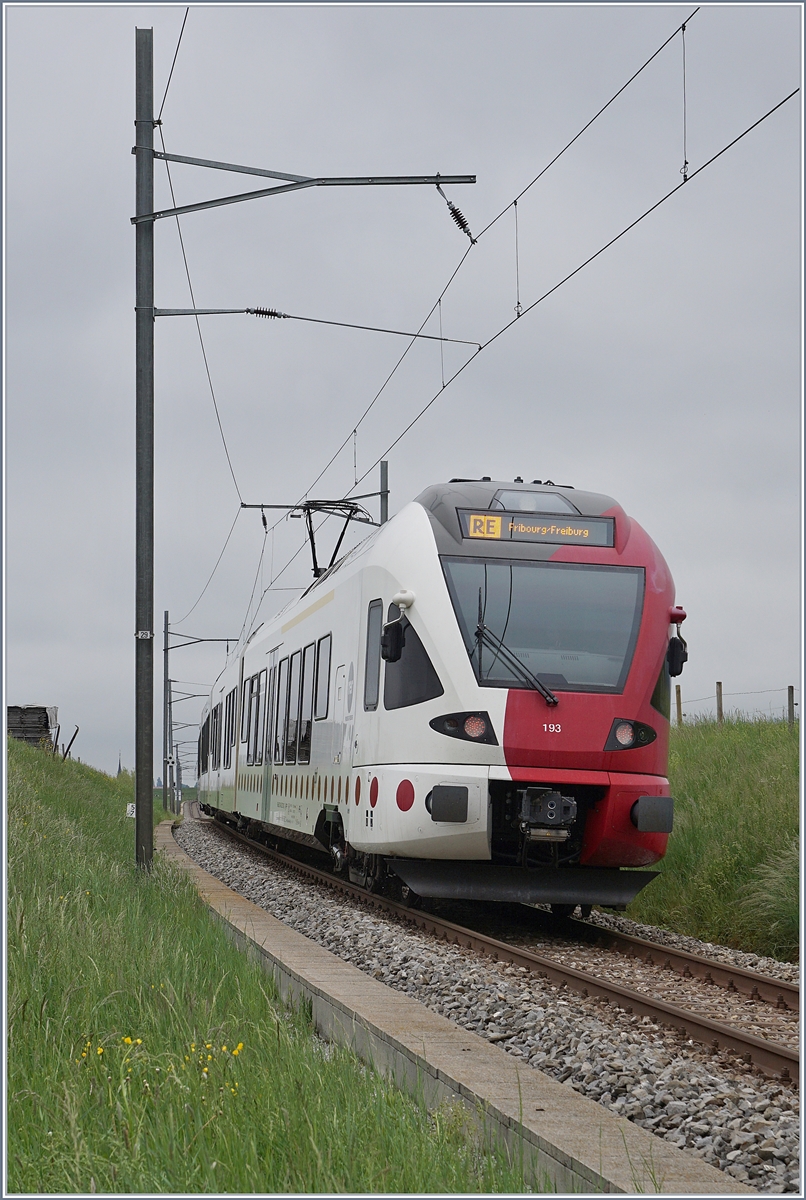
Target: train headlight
629,735
625,734
467,726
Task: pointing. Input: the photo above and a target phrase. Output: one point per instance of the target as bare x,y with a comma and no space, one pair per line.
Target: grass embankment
146,1054
731,873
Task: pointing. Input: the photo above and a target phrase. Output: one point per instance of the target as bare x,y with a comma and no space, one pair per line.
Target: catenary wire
173,64
451,279
212,573
458,267
604,107
462,260
538,301
534,304
571,275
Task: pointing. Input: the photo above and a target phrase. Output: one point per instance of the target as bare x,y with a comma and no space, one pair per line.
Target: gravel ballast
710,1105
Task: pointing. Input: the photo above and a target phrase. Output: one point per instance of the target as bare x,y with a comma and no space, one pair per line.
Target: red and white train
472,703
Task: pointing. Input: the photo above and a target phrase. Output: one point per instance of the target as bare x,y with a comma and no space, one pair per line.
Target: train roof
445,501
494,494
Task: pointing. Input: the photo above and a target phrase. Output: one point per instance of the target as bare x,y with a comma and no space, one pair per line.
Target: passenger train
472,703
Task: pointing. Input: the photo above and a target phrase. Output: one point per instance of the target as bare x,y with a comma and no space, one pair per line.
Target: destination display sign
537,527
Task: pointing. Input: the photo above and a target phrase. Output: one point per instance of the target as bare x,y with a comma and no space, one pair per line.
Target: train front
565,608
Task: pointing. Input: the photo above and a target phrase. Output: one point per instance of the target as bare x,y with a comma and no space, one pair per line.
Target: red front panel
571,736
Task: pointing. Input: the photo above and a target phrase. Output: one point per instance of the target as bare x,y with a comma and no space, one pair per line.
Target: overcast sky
666,373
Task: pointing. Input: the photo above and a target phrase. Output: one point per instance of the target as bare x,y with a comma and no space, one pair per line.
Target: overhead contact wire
595,117
215,568
576,271
461,262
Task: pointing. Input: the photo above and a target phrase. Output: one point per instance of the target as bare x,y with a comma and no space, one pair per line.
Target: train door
340,697
268,740
215,748
349,719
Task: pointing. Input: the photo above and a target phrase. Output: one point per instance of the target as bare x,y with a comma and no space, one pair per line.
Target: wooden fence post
790,704
679,703
719,703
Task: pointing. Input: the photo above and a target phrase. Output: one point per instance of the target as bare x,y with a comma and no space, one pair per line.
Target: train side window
306,704
372,673
259,719
245,710
229,727
215,736
279,721
662,695
412,678
251,705
205,745
322,677
292,724
271,709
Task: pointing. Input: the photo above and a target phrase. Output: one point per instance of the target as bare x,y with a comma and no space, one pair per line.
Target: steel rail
779,992
772,1058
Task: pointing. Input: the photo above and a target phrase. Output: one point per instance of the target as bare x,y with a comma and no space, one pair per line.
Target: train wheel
410,898
562,910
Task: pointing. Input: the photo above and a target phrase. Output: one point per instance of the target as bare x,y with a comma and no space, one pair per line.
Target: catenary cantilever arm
295,185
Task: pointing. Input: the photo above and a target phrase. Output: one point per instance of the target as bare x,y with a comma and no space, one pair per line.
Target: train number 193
552,728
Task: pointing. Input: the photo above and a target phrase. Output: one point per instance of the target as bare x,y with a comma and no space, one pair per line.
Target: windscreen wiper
510,660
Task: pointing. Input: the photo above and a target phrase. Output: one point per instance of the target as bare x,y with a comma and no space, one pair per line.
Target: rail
770,1057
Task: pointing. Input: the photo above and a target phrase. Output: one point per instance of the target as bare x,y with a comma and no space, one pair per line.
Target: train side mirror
676,655
392,641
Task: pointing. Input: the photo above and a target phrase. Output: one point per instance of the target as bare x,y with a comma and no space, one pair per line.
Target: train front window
573,625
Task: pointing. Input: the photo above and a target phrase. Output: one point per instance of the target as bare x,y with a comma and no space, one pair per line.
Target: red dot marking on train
373,793
405,795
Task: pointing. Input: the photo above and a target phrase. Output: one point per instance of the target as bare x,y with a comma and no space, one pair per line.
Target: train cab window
573,625
535,502
306,704
372,673
281,707
292,722
412,678
322,690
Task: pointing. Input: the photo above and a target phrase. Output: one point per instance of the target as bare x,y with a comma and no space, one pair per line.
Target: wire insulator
460,220
267,312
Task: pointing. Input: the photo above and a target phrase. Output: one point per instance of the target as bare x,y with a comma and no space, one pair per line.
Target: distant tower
120,765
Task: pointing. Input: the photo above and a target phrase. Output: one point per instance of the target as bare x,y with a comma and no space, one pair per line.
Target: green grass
147,1054
731,873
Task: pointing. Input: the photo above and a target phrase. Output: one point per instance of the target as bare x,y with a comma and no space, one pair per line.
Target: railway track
770,1057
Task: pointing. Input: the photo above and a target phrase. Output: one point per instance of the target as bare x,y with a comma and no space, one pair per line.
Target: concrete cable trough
569,1143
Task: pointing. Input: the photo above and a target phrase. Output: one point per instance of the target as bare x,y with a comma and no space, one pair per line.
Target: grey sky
666,374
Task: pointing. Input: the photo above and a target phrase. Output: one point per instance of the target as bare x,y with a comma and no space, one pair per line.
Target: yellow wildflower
139,1041
127,1040
100,1050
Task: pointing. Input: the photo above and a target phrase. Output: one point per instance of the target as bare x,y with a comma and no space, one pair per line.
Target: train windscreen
573,626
